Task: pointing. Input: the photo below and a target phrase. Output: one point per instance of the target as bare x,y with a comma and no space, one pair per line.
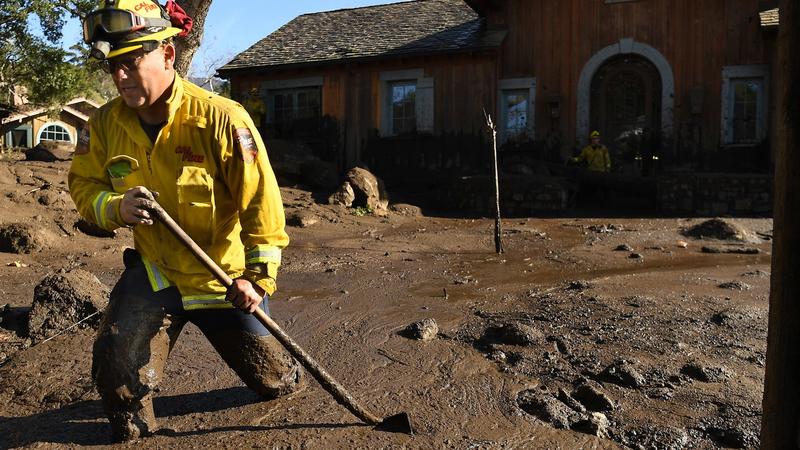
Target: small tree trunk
498,243
187,46
780,421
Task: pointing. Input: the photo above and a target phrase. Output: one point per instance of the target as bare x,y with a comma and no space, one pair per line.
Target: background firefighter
595,155
205,160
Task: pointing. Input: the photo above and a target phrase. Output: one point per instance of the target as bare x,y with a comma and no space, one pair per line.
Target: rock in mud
406,210
700,372
343,196
369,191
513,333
593,398
651,437
757,273
24,238
623,373
734,250
720,229
62,299
302,219
542,405
579,285
596,425
91,229
424,330
623,248
735,286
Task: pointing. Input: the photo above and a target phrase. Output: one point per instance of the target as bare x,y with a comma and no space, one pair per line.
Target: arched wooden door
626,109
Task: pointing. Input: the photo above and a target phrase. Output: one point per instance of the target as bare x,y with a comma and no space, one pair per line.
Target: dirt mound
90,229
24,238
49,152
6,177
63,299
720,229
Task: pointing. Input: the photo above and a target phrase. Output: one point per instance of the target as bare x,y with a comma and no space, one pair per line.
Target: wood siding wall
463,86
552,40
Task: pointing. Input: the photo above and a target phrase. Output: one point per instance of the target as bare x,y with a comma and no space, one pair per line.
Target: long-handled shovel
398,423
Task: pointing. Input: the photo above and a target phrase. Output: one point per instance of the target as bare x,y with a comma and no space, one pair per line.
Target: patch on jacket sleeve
82,146
247,144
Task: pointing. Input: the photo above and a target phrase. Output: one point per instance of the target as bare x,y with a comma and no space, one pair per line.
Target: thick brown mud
668,345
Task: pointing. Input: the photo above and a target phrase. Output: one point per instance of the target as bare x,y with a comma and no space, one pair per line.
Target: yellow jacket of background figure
211,171
596,158
256,108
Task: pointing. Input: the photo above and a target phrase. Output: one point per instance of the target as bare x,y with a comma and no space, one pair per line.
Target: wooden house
26,125
673,86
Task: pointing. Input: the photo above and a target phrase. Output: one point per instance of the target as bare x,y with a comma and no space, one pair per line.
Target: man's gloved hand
132,207
245,295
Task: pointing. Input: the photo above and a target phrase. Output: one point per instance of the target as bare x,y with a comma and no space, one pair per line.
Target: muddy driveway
586,333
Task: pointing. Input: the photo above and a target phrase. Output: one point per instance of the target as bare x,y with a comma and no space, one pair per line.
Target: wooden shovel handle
338,392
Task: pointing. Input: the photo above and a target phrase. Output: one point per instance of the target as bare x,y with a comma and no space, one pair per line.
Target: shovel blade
398,423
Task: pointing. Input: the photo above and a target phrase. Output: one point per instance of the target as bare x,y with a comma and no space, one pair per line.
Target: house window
516,109
406,99
746,93
515,113
297,112
55,132
744,104
403,111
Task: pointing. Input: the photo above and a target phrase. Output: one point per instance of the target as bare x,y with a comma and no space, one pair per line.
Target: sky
234,25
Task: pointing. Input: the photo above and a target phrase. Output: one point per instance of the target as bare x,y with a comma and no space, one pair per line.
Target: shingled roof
398,29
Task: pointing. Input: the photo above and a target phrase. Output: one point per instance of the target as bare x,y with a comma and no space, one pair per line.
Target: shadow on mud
83,422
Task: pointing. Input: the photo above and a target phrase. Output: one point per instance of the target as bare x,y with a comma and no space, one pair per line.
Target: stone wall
714,194
520,196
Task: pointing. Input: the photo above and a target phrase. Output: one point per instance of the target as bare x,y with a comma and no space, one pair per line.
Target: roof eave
226,73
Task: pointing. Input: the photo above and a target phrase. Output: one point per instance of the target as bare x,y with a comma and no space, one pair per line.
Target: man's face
595,140
141,78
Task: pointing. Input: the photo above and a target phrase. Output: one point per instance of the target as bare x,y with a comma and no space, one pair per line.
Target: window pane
746,95
403,108
55,133
516,112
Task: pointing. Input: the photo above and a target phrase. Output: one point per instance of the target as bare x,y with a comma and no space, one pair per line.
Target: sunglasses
131,63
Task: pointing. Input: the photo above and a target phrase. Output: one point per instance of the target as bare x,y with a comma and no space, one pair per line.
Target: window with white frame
406,103
54,132
516,108
744,108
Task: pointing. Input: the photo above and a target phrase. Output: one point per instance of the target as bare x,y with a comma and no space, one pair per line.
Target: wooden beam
780,425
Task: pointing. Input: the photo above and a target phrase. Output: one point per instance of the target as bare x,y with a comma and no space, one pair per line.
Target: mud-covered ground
585,333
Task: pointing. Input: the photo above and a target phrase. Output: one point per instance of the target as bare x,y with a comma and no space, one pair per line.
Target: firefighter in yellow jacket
595,155
203,158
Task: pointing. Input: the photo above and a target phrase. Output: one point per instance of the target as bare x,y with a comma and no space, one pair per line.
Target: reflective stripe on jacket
210,168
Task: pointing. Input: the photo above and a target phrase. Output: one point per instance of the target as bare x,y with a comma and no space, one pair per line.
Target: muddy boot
126,397
260,361
129,355
136,419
